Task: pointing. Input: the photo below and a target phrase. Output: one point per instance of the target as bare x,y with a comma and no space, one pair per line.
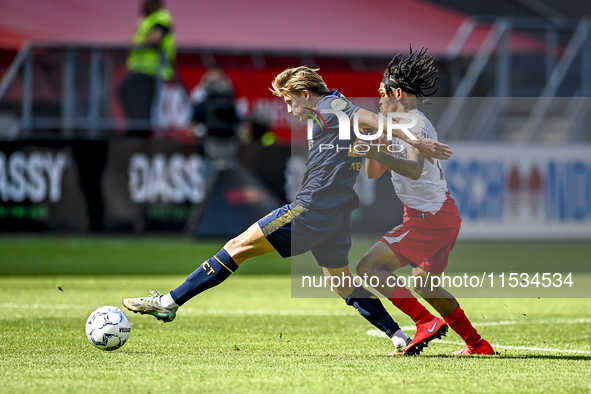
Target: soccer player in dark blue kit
319,220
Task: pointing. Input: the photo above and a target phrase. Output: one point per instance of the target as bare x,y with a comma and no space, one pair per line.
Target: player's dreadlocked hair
414,75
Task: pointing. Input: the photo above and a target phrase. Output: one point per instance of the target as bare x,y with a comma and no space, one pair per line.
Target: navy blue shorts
293,230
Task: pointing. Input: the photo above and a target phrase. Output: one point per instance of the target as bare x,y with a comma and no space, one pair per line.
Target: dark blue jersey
331,168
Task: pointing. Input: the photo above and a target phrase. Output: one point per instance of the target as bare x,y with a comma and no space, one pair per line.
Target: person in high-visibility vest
153,56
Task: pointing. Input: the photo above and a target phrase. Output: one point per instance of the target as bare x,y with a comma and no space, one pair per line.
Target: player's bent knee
251,243
238,246
360,270
245,240
233,246
422,290
365,266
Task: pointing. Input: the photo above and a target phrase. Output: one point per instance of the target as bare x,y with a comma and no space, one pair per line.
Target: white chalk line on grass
378,333
41,306
214,311
375,333
257,312
516,322
266,312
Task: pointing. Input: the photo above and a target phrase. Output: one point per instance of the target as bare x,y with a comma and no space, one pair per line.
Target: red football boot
426,332
484,347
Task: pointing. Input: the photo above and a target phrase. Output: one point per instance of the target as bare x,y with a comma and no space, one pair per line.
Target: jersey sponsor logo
356,166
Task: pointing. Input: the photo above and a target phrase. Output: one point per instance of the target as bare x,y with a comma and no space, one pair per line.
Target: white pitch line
375,333
41,306
257,312
378,333
515,322
265,312
539,349
214,311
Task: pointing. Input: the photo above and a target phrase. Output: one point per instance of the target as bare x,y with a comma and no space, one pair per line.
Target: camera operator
214,117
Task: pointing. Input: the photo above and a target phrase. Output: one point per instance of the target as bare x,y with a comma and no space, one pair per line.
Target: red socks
403,299
458,321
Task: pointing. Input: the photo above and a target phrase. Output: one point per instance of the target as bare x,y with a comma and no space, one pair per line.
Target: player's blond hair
297,79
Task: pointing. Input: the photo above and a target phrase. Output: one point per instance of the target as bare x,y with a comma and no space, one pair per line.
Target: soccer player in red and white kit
431,221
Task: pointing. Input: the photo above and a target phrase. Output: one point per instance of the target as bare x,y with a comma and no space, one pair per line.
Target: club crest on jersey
338,104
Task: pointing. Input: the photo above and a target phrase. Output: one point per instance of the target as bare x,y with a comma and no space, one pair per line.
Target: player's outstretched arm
411,168
430,149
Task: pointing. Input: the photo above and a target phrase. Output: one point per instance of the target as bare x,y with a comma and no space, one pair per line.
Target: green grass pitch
249,335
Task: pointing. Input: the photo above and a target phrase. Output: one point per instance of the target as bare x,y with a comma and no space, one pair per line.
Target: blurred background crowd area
157,116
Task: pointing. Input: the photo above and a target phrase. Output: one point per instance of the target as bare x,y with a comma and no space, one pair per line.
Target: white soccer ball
108,328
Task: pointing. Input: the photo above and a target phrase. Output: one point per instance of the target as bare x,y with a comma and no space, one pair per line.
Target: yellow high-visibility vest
152,60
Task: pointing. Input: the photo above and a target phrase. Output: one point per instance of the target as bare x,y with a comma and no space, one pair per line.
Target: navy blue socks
209,274
370,307
218,268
